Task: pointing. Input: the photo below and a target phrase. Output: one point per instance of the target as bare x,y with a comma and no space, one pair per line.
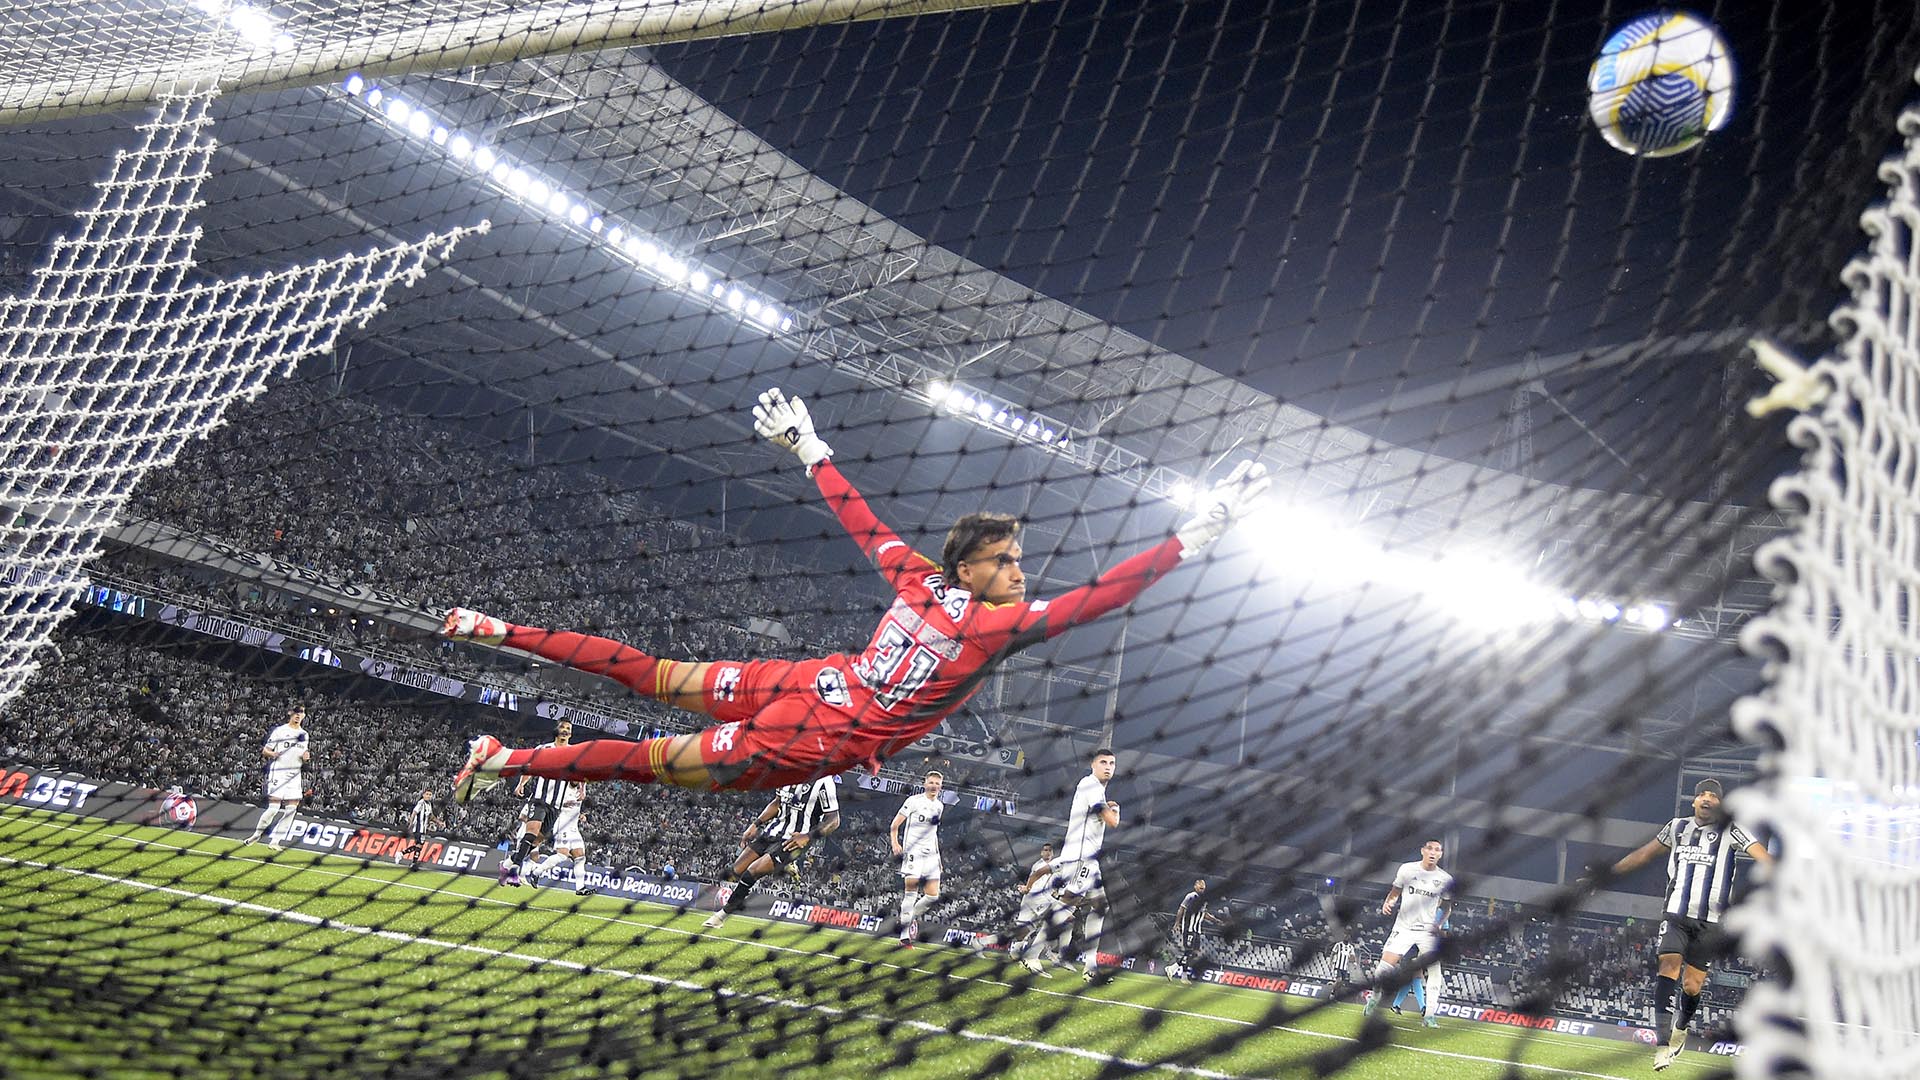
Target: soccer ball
1661,83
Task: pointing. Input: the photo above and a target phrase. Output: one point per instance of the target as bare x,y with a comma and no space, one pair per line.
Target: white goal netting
1843,706
321,318
119,353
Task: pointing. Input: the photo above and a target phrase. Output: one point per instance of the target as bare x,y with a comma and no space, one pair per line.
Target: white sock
281,824
547,864
909,903
266,822
1096,921
579,871
1435,984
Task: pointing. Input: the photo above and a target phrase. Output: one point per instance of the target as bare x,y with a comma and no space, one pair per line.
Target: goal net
321,320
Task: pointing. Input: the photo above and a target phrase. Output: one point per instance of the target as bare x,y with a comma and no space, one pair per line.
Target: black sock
523,848
737,899
1689,1004
1663,988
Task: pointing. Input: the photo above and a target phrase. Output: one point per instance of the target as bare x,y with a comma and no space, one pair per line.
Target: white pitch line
99,828
616,973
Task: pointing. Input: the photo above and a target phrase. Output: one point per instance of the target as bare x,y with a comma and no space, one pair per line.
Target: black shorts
774,848
1698,941
540,812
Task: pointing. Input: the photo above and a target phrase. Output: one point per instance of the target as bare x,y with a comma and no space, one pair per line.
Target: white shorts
1401,942
1032,906
566,829
284,786
1079,879
923,865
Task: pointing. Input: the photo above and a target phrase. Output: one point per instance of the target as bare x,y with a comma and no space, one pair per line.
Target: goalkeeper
785,721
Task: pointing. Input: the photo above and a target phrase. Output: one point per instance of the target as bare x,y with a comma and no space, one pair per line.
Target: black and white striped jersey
419,817
1700,866
1192,915
801,809
1342,955
544,791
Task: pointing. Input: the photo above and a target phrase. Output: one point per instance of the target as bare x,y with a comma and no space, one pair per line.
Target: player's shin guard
737,899
523,848
1663,989
1689,1005
266,821
1090,935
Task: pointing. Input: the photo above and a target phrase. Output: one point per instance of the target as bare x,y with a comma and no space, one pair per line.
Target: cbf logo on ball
1661,83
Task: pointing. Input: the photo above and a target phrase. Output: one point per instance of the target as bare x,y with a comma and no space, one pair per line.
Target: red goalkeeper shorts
790,722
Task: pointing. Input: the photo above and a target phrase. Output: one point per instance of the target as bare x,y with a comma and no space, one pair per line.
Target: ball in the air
1661,83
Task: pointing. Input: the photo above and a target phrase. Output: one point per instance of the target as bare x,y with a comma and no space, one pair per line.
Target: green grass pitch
130,952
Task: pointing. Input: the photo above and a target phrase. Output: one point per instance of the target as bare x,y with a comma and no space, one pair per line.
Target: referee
1188,922
544,797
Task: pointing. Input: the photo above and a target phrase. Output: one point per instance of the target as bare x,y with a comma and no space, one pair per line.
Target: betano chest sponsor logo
376,844
37,789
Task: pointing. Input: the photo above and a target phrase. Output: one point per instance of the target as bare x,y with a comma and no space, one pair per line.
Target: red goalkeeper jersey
937,643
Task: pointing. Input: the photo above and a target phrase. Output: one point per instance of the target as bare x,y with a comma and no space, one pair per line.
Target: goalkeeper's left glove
784,422
1229,501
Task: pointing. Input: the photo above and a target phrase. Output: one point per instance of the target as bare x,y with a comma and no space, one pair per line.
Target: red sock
597,759
638,671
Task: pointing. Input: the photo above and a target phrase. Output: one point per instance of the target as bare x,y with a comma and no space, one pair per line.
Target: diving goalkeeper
792,721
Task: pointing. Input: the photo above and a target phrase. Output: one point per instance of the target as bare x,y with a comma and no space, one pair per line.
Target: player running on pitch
783,721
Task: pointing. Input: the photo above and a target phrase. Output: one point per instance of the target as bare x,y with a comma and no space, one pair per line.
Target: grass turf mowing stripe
366,876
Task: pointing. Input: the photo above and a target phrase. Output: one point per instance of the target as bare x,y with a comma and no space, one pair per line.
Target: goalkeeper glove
463,624
1229,501
784,422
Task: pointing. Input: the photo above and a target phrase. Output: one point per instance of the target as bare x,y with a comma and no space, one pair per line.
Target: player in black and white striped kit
798,815
1189,921
419,821
1701,850
544,798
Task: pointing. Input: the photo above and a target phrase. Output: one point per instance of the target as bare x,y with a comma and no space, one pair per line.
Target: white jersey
1086,829
1420,894
287,743
1043,871
566,819
920,833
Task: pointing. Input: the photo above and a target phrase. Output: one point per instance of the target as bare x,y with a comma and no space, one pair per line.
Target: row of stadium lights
1481,584
993,413
257,28
562,206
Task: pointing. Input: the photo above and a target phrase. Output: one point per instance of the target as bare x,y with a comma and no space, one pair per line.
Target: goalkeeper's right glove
784,422
1229,501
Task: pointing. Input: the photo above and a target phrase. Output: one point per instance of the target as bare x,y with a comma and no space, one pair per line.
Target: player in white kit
1033,901
285,751
1077,885
566,839
1419,889
915,835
